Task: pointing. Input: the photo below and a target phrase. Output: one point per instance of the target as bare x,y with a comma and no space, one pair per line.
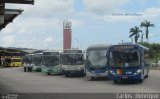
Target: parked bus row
116,62
69,62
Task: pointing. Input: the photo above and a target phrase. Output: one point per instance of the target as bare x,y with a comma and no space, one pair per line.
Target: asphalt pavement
15,80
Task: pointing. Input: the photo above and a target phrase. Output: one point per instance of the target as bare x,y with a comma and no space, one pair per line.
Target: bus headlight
80,68
112,72
138,72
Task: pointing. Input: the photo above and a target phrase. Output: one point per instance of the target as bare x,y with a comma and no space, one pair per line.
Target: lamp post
76,42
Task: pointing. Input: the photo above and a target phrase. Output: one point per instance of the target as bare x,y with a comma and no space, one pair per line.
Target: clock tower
67,35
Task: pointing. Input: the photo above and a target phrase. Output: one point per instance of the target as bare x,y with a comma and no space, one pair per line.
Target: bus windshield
124,58
97,57
38,60
51,60
29,61
16,60
72,59
8,60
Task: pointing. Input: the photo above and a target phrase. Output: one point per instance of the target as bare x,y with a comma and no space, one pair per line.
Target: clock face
67,25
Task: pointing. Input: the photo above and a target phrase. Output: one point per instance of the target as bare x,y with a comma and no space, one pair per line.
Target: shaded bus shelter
19,1
10,53
9,16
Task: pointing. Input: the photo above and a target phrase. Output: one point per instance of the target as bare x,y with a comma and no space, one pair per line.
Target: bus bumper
126,77
97,75
36,68
53,70
73,72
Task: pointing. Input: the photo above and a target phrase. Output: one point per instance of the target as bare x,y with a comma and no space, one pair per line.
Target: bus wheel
48,73
66,75
146,76
29,69
92,78
115,81
89,78
25,69
141,80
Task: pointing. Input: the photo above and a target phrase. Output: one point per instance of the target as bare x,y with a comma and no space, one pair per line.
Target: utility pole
76,43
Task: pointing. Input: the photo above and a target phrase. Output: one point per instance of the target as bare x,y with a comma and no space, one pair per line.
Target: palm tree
146,24
135,32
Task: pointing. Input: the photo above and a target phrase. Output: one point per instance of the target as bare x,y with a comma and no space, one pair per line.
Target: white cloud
46,8
7,40
76,23
103,10
33,33
32,26
152,12
40,25
7,31
147,14
36,43
103,6
110,18
49,40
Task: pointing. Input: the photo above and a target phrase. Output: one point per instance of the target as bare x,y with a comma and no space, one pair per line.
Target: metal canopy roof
19,1
9,16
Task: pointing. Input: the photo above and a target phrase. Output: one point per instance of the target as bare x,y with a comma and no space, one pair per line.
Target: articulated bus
37,62
72,62
13,62
128,62
51,63
96,61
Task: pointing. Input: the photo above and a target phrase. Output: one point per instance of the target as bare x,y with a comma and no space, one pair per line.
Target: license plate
98,75
124,77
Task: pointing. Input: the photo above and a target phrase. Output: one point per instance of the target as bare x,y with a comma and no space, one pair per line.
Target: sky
40,26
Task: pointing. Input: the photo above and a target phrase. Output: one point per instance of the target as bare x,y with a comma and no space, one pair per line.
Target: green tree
135,32
146,24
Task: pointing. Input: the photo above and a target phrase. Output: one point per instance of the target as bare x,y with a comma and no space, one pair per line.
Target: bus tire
141,81
48,73
89,78
29,69
92,78
146,76
66,75
25,69
115,81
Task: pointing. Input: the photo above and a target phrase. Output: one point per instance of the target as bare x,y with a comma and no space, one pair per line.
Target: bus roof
141,46
98,46
51,53
72,51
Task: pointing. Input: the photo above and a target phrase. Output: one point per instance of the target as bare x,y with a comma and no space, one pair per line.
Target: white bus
72,62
